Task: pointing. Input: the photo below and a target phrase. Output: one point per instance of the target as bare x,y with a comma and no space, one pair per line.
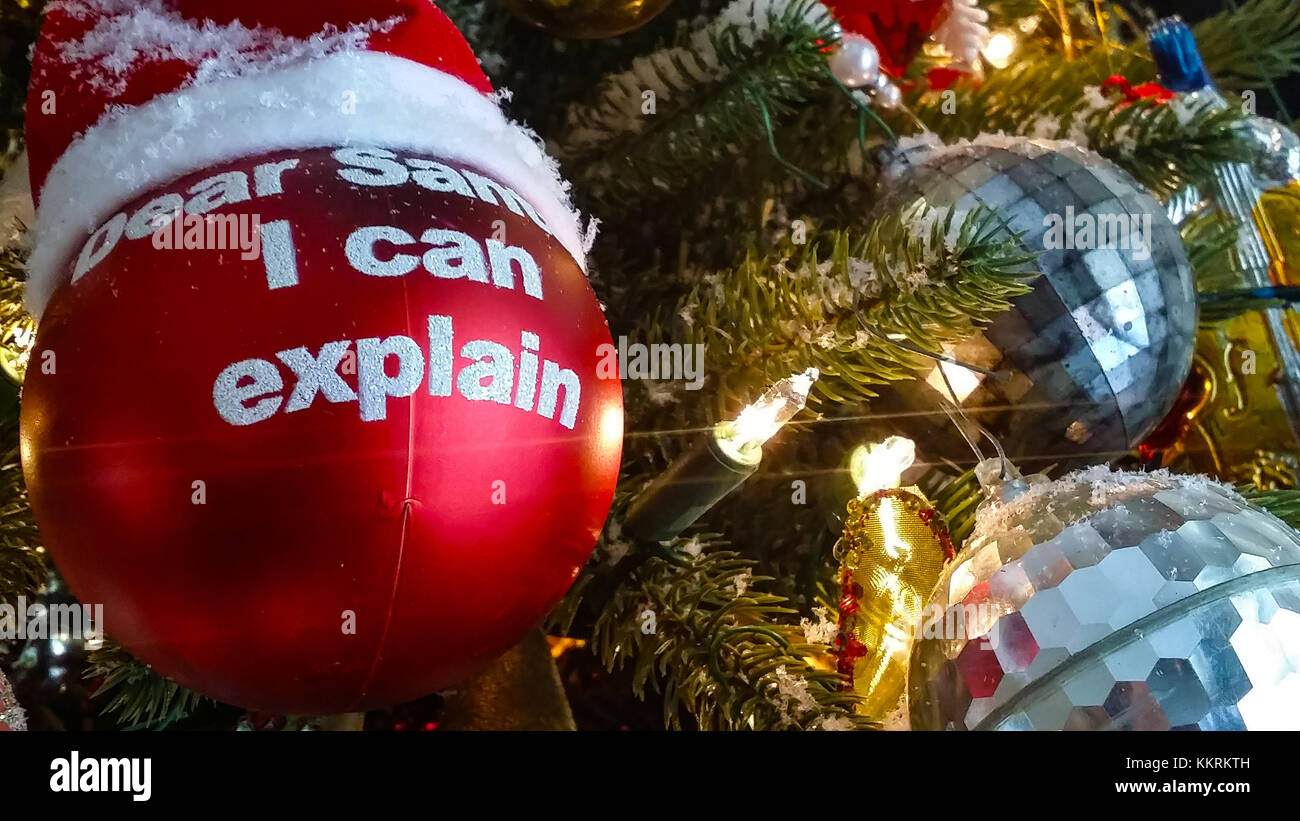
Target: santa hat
127,95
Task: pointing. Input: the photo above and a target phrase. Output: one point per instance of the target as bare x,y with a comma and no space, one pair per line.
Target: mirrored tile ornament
1114,601
1093,358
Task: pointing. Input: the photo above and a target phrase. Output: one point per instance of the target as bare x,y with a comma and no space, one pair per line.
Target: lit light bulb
1000,48
878,466
760,421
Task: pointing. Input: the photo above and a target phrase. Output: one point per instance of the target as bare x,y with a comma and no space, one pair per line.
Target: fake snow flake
742,582
822,631
692,546
791,696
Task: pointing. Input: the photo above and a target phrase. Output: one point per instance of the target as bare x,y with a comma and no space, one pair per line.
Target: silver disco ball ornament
1090,361
1114,601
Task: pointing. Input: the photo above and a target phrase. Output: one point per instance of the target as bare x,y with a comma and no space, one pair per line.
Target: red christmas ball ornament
319,424
898,27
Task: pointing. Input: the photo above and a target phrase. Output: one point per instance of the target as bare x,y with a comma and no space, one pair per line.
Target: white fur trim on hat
399,105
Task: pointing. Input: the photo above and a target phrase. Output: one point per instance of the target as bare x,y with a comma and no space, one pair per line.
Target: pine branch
140,697
1220,306
958,501
1251,46
1284,504
719,648
1163,152
1209,238
1164,147
19,24
920,276
23,568
715,96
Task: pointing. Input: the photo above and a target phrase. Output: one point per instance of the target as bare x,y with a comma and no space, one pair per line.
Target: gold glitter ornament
893,549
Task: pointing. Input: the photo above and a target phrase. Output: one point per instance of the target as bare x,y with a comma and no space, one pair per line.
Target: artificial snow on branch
679,111
836,302
719,648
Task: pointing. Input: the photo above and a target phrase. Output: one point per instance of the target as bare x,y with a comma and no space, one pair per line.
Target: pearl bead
856,63
887,94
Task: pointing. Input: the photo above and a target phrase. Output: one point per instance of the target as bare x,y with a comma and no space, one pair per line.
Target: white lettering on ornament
373,250
381,167
392,367
362,166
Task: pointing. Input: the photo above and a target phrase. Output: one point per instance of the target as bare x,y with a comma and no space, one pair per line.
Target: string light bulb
717,464
1000,48
758,422
881,465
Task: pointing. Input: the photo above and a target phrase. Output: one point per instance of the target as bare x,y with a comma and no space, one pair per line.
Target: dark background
1195,10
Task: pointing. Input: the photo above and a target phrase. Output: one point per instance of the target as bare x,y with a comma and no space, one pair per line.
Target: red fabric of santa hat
127,95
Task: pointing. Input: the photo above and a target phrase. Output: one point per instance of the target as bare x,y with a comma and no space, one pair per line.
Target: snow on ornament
1113,601
313,408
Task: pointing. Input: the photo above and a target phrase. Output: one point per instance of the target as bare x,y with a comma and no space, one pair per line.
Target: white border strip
400,105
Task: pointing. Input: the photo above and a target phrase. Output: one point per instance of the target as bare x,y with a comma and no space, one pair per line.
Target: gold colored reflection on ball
586,19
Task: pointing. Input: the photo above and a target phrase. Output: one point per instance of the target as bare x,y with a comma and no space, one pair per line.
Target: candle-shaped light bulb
881,465
717,464
760,421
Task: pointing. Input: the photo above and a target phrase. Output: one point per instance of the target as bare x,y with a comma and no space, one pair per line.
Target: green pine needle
835,302
137,696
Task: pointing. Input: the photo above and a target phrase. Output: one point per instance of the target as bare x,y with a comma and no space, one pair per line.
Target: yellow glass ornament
893,549
586,19
1277,215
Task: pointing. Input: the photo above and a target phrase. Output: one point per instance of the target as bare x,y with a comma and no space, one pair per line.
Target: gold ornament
586,19
1269,471
1245,413
17,334
892,551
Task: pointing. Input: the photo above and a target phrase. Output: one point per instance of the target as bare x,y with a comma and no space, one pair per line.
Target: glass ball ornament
586,19
1086,364
1275,149
856,63
886,93
1114,601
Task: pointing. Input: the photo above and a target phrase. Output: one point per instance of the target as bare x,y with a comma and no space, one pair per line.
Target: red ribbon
1132,93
